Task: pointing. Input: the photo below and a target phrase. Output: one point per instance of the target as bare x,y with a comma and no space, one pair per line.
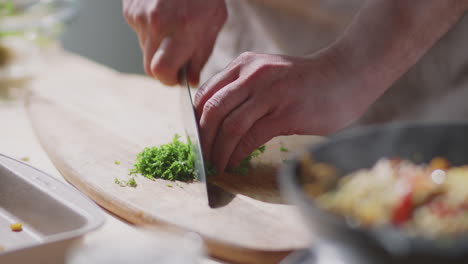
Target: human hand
174,32
259,96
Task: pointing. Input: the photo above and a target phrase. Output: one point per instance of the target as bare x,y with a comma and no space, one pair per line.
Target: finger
150,37
128,11
173,53
202,55
149,49
233,129
216,109
260,133
212,86
135,12
126,3
198,61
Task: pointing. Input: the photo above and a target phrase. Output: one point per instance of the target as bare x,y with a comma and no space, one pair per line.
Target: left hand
174,32
260,96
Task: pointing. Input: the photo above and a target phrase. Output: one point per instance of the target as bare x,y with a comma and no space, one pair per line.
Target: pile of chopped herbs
172,161
176,161
131,182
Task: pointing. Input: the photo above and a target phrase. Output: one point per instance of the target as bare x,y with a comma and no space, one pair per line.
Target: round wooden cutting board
87,117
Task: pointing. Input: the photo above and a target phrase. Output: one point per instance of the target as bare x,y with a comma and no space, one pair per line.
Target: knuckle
135,15
247,56
201,98
266,67
234,66
126,9
185,19
255,64
139,18
233,126
211,106
261,69
130,16
126,13
155,19
241,61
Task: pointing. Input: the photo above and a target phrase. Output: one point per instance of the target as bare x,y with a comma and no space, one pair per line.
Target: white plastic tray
53,214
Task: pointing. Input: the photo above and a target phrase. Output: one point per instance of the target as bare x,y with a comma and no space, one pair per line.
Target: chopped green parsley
175,161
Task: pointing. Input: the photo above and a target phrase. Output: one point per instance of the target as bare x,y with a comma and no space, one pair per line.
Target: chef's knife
193,135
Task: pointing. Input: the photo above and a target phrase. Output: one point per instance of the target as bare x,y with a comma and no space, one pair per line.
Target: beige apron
434,89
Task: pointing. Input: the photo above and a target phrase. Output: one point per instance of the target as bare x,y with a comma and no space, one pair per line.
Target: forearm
387,37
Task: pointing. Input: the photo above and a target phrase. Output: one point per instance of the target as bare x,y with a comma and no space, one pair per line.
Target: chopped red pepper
441,209
464,206
404,209
395,161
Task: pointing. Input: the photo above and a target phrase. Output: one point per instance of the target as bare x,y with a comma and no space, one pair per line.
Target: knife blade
192,133
216,196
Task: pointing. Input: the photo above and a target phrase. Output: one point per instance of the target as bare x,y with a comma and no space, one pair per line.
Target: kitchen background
100,33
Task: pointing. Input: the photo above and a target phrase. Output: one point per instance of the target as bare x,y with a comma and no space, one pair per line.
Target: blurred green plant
7,8
43,36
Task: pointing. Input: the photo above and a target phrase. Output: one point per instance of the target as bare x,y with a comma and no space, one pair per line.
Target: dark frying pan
362,148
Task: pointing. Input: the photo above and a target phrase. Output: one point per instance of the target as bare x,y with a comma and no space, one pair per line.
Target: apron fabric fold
436,88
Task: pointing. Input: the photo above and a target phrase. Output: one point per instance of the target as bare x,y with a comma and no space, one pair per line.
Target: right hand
174,32
261,96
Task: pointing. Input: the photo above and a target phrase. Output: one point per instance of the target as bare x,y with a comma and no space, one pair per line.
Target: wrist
344,81
367,74
359,83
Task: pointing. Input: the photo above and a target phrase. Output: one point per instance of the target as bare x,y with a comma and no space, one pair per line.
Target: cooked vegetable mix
428,200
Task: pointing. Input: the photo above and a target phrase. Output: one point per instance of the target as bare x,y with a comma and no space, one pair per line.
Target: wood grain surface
87,116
